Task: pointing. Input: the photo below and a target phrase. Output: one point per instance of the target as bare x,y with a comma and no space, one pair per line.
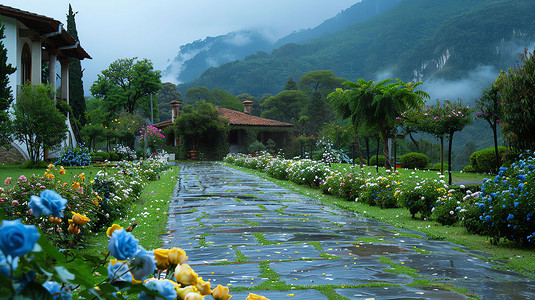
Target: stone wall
10,154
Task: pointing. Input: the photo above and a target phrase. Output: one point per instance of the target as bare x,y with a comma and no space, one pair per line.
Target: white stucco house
32,40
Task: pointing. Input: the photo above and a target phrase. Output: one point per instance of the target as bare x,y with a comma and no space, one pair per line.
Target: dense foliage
203,130
6,97
517,90
76,87
38,123
74,156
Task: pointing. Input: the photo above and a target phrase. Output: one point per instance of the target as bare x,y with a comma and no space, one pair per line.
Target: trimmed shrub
414,160
256,147
485,160
469,169
113,156
436,167
421,197
375,158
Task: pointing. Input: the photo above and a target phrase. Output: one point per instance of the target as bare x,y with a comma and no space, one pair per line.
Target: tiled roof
52,30
163,124
238,118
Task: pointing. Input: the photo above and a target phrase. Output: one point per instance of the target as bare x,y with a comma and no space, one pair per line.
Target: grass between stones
514,257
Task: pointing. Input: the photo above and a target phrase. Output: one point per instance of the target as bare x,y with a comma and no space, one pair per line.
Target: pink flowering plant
154,137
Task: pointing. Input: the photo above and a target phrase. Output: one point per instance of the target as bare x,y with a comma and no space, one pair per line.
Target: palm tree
378,104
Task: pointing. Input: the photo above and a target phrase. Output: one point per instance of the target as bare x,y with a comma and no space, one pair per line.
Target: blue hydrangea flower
510,217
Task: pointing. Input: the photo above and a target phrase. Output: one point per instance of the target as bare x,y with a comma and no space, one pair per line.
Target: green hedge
373,160
414,160
469,169
484,161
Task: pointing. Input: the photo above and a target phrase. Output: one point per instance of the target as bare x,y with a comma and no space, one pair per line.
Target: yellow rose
111,229
185,275
79,219
221,293
177,256
183,292
162,259
203,287
255,297
193,296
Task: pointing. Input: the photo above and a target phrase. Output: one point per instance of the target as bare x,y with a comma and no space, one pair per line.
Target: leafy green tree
126,127
448,118
202,129
290,85
167,94
286,106
226,100
93,133
199,93
38,124
517,90
323,81
76,86
319,111
6,98
378,104
490,109
125,83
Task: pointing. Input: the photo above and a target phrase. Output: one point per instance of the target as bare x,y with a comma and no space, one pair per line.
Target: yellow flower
203,287
255,297
221,293
189,291
112,228
73,229
55,220
162,260
177,256
82,176
79,219
75,185
185,275
61,171
95,202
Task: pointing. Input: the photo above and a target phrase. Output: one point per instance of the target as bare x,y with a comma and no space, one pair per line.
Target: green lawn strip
515,257
407,174
15,171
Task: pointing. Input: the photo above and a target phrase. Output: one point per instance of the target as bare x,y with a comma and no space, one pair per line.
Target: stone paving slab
235,227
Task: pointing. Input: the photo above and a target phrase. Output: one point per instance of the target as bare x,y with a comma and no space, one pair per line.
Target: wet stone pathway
243,231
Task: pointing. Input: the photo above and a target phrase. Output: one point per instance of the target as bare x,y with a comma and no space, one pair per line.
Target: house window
26,64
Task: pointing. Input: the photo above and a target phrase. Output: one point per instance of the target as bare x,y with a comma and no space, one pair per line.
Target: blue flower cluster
506,203
74,156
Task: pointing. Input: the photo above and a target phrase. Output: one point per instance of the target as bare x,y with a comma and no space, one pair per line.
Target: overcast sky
113,29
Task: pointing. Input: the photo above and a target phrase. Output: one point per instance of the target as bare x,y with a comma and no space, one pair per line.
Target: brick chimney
175,110
248,107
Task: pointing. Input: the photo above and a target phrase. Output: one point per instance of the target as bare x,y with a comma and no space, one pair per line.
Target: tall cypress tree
5,91
76,87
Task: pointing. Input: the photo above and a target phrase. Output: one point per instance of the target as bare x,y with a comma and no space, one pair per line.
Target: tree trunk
496,147
368,150
414,142
377,156
388,165
357,144
442,155
449,157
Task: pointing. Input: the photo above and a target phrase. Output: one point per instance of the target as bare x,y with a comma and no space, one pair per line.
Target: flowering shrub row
30,268
100,200
504,207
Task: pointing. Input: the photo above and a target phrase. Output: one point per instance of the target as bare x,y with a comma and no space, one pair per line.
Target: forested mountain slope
417,39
